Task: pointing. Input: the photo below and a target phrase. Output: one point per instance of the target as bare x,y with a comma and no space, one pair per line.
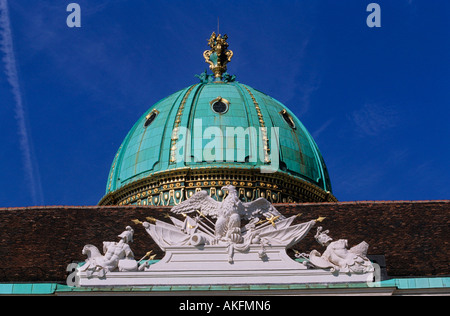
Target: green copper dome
214,133
156,146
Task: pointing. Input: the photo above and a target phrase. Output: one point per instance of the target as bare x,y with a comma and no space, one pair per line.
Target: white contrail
6,47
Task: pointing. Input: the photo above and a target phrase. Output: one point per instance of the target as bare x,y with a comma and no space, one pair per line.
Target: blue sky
376,100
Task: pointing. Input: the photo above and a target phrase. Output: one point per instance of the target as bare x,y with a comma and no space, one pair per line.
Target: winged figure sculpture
229,212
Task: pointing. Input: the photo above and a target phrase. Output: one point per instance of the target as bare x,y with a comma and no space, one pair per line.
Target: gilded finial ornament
320,219
219,55
146,255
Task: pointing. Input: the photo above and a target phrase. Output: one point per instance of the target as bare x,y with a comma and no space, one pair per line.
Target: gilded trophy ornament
219,55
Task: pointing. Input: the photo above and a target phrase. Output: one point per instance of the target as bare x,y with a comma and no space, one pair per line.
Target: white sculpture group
337,257
198,245
265,224
117,256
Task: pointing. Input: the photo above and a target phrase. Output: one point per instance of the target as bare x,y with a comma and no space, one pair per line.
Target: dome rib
190,117
177,123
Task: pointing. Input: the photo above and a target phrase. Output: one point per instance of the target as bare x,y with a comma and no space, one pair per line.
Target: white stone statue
229,212
118,256
337,257
266,225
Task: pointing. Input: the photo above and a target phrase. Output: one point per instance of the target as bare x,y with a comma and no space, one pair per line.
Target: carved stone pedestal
209,265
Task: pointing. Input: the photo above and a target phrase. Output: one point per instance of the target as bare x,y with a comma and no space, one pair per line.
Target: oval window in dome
220,105
288,118
150,117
